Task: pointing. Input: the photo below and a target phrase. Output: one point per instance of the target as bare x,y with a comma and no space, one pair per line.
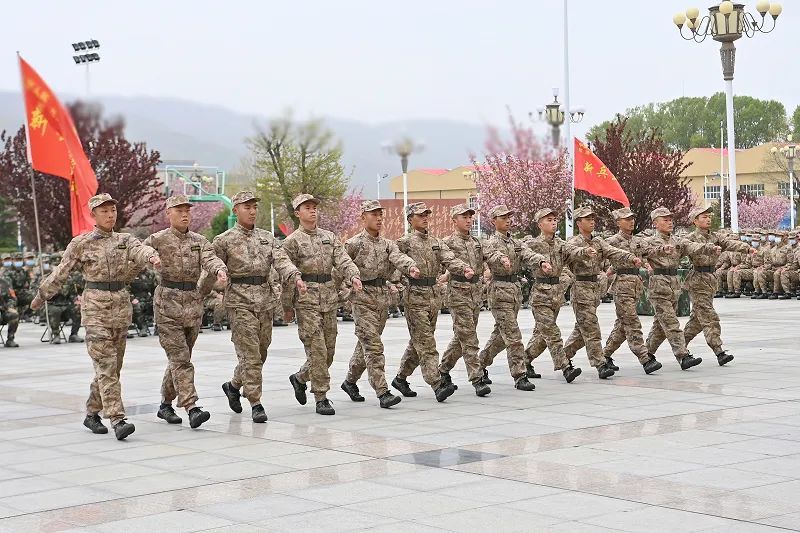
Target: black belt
628,271
586,278
511,279
106,285
665,271
249,280
548,281
709,270
422,282
456,277
317,278
180,285
377,282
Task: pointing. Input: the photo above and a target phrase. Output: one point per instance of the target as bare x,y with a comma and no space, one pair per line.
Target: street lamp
404,147
378,181
85,59
789,152
726,23
554,116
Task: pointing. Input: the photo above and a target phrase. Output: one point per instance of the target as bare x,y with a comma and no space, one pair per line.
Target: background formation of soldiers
177,281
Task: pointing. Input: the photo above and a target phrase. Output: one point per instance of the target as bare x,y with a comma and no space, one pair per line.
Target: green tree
796,121
691,122
219,224
290,158
8,224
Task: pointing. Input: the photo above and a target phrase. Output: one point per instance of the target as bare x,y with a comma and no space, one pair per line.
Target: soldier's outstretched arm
616,254
449,260
689,248
283,264
209,259
533,259
342,261
733,245
69,262
140,253
400,260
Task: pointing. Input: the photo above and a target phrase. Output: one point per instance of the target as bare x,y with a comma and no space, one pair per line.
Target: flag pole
569,142
35,206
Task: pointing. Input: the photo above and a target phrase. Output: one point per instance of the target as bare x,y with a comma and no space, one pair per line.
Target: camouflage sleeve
219,248
343,262
205,284
689,248
69,261
615,254
724,262
449,260
211,263
351,247
139,253
282,264
532,259
733,245
400,260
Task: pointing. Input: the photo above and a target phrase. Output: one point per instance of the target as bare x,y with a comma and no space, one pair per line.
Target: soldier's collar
463,236
421,233
178,233
244,230
103,233
625,235
308,231
505,236
370,237
664,235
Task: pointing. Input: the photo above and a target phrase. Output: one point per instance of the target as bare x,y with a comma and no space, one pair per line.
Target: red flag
592,176
54,147
284,229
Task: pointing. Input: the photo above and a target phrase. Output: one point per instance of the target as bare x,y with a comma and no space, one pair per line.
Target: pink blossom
763,212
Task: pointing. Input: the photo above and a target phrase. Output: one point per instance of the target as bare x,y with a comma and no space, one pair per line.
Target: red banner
592,176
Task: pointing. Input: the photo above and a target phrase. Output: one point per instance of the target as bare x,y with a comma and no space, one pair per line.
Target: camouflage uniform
701,284
179,305
376,258
423,299
785,275
766,272
142,288
505,296
8,312
738,271
215,302
757,263
721,269
104,260
585,294
249,255
316,252
464,301
64,305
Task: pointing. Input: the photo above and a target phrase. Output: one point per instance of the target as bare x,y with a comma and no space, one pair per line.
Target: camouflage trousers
763,279
585,299
464,343
368,353
703,316
62,313
722,280
421,349
664,292
784,281
218,310
178,381
251,334
106,347
10,316
505,334
627,326
736,277
546,333
142,313
317,330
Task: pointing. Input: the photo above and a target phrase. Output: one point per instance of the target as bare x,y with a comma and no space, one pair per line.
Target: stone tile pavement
711,449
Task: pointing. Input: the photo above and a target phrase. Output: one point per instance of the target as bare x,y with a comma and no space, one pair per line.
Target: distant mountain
214,135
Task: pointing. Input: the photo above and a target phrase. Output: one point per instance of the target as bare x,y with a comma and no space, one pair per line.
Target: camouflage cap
460,209
699,210
180,199
5,256
100,199
660,212
244,196
370,205
624,212
300,199
583,212
29,254
499,211
541,213
417,208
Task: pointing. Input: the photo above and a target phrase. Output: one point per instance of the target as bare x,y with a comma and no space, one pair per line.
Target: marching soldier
179,307
505,256
249,253
701,283
376,258
585,254
102,256
664,288
423,302
316,251
465,299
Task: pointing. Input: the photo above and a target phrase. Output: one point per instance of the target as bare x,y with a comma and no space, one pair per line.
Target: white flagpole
568,142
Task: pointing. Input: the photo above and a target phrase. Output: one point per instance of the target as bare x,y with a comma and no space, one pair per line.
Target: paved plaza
711,449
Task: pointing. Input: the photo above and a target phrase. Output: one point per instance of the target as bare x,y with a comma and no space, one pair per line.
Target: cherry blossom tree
342,218
763,212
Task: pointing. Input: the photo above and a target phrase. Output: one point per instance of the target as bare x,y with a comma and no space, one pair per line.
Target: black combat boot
325,407
775,295
216,327
486,377
444,392
197,417
651,365
387,399
756,295
403,386
785,296
719,294
75,338
724,358
258,413
530,372
10,342
610,364
522,383
144,332
94,423
481,388
233,395
299,389
445,377
604,372
570,372
352,390
689,361
167,413
123,429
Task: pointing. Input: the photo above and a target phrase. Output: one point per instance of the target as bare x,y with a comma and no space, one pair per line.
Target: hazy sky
379,60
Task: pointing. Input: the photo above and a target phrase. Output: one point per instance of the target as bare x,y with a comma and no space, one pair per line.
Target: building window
753,189
711,192
473,204
783,188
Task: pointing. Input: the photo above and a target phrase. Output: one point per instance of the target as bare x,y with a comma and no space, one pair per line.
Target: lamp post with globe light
726,23
404,147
